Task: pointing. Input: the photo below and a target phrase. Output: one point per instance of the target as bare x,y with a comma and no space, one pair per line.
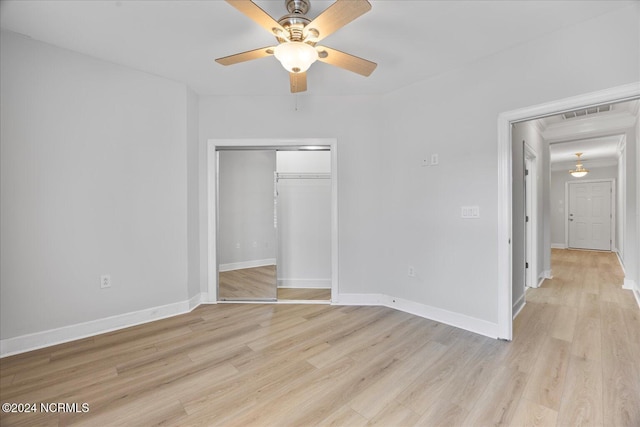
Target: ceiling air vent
586,111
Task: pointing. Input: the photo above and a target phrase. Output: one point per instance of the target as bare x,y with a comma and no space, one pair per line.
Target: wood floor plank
390,385
443,413
435,378
587,342
498,403
621,392
344,416
546,382
564,323
304,294
531,414
582,403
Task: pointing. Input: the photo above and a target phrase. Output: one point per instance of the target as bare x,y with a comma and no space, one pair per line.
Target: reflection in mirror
247,247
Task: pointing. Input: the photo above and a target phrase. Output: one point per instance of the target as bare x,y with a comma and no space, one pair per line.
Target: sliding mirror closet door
247,247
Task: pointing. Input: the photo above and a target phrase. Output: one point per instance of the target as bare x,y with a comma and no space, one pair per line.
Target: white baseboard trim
359,299
518,306
546,274
24,343
558,246
621,262
633,287
457,320
196,300
246,264
305,283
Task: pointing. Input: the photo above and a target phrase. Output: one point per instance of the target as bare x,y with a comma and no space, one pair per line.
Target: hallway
579,335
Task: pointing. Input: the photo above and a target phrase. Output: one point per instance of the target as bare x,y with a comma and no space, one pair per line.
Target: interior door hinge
526,265
526,172
526,218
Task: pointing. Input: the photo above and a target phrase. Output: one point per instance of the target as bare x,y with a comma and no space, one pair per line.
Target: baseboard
78,331
359,299
305,283
620,260
546,274
246,264
518,306
633,287
558,246
457,320
196,300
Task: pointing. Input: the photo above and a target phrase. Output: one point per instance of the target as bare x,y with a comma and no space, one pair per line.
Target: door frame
211,198
505,202
531,205
612,207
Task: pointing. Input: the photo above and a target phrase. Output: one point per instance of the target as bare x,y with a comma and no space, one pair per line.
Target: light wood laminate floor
248,283
574,361
259,283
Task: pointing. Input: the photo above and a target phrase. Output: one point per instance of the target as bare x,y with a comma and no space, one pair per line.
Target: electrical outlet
411,272
105,281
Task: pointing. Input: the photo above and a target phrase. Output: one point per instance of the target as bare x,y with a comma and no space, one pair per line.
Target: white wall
93,181
455,115
193,196
528,132
558,200
304,220
631,244
303,161
304,233
392,211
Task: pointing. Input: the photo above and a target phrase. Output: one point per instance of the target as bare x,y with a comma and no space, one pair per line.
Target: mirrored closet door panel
247,242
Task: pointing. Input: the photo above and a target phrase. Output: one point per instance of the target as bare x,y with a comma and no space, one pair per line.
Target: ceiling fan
298,36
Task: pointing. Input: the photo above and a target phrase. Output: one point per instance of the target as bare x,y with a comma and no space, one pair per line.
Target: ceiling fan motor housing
295,21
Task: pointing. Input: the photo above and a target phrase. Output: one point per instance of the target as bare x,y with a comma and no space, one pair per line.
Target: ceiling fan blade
335,17
253,11
346,61
298,82
246,56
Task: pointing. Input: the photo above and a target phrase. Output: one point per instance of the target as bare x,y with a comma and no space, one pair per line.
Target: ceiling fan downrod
298,6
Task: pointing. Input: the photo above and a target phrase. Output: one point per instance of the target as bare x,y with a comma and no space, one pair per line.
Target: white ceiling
599,149
410,40
596,152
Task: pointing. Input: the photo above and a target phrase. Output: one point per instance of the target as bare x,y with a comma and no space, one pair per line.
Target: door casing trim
505,119
211,199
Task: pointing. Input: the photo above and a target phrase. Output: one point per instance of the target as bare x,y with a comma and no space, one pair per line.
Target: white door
590,215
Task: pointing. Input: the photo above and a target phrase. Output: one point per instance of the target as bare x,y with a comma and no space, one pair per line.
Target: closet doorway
275,223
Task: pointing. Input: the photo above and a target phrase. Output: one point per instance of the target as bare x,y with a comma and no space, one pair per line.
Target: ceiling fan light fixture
579,171
296,57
